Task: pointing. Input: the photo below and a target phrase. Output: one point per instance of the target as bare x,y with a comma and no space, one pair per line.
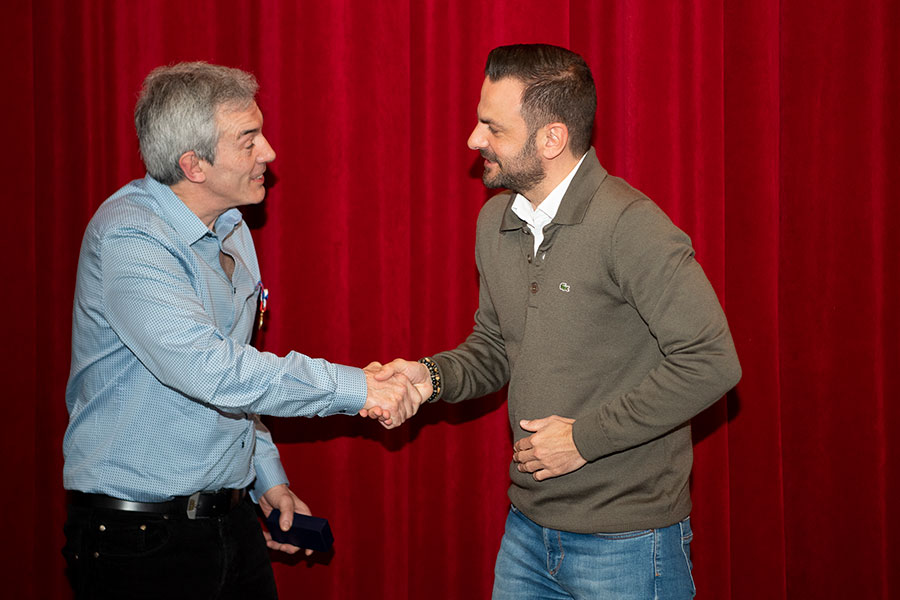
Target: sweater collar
576,200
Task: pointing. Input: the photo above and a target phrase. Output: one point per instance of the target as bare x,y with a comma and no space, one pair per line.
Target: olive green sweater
613,324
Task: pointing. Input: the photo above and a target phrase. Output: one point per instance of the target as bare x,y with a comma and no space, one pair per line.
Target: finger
525,443
524,456
529,466
543,474
286,548
277,545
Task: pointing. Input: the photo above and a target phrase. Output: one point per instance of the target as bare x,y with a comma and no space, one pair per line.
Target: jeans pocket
131,538
687,534
72,546
73,551
624,535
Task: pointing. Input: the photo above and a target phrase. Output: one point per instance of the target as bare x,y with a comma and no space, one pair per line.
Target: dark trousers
119,554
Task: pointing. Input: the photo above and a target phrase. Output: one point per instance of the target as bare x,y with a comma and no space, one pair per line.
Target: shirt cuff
350,391
269,473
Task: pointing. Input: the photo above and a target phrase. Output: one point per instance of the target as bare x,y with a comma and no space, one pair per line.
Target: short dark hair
558,87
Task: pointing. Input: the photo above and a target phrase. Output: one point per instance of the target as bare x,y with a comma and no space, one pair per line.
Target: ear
191,166
553,139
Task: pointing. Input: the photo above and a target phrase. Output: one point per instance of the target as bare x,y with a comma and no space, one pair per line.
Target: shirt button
534,287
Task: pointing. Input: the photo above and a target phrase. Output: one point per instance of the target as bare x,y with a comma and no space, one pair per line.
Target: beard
520,173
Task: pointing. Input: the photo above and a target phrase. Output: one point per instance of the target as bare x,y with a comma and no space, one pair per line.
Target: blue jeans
535,562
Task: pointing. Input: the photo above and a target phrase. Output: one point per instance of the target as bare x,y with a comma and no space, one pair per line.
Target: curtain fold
20,352
767,130
752,174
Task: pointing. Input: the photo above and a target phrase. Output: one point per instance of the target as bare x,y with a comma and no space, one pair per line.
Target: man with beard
609,334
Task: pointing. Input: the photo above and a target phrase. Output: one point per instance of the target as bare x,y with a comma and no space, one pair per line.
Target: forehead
234,121
501,100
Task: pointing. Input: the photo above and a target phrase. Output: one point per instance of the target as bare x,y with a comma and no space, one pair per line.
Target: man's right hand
416,372
391,398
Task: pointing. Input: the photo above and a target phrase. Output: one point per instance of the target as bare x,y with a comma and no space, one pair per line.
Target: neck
194,198
555,171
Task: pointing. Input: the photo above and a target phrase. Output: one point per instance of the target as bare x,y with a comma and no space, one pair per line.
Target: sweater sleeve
478,366
653,264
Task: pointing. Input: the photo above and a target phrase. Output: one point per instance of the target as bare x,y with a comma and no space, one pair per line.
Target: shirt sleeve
654,266
266,461
152,306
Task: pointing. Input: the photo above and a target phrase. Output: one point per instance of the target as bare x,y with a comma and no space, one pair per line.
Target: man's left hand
282,498
548,452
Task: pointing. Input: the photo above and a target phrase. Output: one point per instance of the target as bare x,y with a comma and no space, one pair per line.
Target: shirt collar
522,206
571,208
183,220
227,221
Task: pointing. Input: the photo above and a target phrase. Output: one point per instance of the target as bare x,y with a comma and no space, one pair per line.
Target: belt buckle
192,503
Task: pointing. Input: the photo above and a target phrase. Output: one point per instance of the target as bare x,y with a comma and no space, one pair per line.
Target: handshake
395,391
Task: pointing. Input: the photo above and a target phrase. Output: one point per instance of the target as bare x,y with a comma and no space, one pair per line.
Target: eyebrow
490,122
255,130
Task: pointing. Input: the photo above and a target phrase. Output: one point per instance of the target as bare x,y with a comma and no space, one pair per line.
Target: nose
476,139
266,153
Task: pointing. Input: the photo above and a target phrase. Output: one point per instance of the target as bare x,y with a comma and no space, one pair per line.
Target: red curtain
767,130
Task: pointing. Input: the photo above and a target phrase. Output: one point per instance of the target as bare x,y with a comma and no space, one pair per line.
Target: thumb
529,425
286,506
384,373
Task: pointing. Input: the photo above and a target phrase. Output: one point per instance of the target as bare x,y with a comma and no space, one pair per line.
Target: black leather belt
201,505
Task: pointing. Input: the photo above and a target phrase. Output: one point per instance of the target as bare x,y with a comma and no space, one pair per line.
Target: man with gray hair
164,444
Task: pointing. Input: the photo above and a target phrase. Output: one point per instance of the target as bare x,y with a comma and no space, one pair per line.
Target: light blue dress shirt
164,385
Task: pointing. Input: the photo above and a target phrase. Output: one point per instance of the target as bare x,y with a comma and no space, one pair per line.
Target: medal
263,301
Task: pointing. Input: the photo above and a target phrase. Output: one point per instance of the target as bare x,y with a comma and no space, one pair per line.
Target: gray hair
176,113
